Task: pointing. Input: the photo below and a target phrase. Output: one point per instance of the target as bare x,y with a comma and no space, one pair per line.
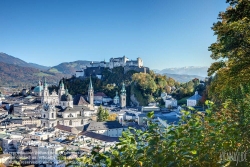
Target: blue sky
164,33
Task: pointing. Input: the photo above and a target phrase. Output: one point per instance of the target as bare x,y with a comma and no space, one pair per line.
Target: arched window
44,116
58,123
82,121
52,124
52,115
70,122
44,124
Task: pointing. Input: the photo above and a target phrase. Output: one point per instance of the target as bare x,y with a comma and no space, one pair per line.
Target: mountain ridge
188,70
182,78
66,69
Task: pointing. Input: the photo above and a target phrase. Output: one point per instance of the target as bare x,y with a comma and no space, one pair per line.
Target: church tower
61,90
45,94
91,93
123,96
40,86
48,115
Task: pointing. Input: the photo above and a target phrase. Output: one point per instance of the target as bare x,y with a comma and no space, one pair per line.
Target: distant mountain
40,67
191,70
14,72
70,68
182,78
14,75
5,58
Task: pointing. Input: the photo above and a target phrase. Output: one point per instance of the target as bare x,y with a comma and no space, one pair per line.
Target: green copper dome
38,89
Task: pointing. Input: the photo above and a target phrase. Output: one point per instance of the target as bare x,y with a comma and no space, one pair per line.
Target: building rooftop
196,96
79,100
100,137
103,125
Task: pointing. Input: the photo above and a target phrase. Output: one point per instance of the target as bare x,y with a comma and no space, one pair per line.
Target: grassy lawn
54,70
41,74
182,101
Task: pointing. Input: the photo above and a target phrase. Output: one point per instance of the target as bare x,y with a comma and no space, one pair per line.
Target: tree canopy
102,114
231,50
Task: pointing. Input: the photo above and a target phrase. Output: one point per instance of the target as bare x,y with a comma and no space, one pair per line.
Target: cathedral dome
38,89
66,97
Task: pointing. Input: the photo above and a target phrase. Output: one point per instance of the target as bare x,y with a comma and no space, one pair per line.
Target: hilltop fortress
96,68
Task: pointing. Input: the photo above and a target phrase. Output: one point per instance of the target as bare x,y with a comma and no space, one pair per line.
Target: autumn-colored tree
112,117
102,114
231,50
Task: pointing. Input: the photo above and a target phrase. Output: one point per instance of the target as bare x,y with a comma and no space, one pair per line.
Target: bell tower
45,94
61,90
123,96
91,93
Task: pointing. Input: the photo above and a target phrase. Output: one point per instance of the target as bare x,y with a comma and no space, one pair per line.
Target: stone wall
135,68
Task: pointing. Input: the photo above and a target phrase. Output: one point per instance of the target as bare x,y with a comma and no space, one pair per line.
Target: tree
198,140
231,50
102,114
112,117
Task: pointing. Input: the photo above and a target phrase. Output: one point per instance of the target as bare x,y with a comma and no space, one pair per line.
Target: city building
193,100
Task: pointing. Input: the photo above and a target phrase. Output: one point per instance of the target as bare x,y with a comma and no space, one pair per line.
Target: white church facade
58,109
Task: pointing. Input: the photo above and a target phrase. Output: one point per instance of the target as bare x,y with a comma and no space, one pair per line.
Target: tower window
70,122
52,115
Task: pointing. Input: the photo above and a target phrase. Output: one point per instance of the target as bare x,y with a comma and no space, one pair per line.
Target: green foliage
102,114
199,140
231,50
182,101
109,84
150,86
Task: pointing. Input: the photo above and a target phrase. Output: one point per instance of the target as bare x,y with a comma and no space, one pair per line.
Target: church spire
90,84
39,82
45,84
62,85
91,93
123,96
123,91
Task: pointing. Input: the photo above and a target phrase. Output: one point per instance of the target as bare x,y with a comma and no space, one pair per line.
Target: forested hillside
146,87
69,68
14,75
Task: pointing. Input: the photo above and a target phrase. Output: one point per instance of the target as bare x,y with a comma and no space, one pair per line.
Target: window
44,116
82,121
70,122
52,115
